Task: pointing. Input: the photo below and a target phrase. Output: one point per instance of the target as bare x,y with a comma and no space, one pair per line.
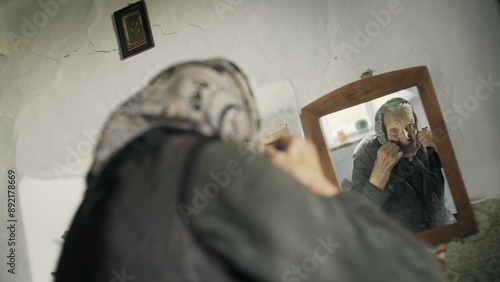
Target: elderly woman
400,171
180,190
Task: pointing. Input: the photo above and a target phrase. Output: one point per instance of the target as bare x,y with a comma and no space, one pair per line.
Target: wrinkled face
402,130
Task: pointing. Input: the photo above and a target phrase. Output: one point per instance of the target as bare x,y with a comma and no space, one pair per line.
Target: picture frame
133,29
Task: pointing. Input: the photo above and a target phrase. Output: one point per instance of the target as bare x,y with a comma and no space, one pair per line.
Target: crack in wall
33,97
257,43
7,117
45,56
97,18
74,51
197,27
100,51
213,32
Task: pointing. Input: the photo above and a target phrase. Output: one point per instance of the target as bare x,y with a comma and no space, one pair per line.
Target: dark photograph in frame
133,29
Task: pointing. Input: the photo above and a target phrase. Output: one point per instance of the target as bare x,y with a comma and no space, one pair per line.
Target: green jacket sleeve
271,229
361,183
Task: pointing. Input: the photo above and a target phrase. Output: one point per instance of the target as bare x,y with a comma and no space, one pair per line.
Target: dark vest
129,228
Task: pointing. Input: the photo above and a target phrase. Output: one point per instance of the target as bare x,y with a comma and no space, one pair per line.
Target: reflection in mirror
418,205
344,119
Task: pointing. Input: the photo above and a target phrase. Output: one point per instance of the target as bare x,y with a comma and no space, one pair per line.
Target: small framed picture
134,31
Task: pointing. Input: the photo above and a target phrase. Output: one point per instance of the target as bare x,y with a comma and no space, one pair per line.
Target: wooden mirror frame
377,86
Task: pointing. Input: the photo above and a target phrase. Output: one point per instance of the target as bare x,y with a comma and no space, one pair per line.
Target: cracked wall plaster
60,85
72,64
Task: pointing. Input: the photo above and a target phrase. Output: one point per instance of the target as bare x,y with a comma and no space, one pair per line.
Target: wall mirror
340,122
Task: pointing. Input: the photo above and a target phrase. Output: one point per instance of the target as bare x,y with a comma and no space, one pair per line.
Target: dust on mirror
411,187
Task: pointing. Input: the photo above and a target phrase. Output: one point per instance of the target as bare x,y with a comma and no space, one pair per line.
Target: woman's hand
426,138
388,155
299,158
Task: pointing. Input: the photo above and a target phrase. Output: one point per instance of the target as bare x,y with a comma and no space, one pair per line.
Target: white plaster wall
46,204
59,82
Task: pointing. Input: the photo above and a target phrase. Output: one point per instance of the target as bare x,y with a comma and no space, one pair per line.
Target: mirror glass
341,125
347,131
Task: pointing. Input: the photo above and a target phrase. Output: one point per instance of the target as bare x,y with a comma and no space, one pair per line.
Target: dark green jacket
271,228
175,206
417,209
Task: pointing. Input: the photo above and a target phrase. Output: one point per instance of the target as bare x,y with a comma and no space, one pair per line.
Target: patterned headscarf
211,97
393,105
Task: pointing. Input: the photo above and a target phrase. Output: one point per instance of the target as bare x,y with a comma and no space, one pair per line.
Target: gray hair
393,105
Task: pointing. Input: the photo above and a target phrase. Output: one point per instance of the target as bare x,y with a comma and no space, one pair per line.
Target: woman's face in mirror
343,122
402,130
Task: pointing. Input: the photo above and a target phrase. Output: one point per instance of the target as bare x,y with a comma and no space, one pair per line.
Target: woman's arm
269,227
